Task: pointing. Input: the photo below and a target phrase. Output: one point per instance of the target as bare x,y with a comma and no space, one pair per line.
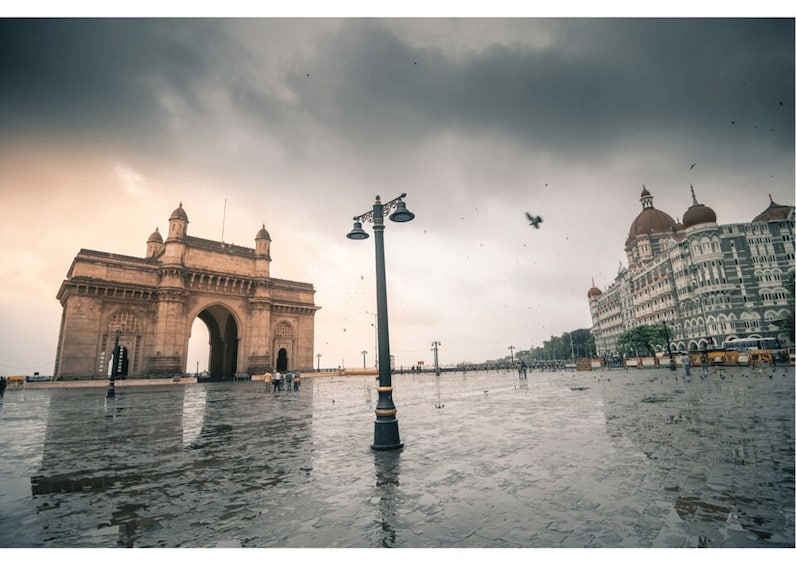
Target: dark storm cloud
596,83
591,87
98,76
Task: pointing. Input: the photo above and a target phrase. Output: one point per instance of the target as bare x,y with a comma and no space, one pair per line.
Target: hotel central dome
650,220
698,213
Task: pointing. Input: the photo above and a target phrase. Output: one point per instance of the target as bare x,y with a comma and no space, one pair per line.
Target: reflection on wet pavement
637,458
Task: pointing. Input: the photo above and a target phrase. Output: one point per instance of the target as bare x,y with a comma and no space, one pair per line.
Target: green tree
561,347
642,339
583,343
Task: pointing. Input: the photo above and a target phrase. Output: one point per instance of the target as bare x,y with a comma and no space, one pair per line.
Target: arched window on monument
126,321
284,330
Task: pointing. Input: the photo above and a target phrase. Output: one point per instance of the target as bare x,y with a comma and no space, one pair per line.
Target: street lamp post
511,348
364,359
114,367
319,363
385,435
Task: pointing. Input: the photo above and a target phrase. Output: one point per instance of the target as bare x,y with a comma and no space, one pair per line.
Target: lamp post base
385,435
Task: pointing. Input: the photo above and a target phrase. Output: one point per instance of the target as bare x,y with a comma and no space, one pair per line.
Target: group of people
278,381
704,362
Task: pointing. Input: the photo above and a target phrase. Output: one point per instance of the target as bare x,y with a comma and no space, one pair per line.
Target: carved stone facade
256,323
709,283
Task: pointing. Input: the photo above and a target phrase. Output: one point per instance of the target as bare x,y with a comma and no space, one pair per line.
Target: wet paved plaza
606,459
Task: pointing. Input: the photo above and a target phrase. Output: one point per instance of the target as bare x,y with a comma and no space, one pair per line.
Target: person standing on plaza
703,363
687,364
277,381
268,378
289,380
296,380
2,386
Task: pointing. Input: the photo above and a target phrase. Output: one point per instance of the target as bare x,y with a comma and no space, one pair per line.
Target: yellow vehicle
758,356
16,381
723,358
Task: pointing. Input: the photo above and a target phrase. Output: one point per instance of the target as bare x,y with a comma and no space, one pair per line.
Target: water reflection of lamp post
385,435
387,472
114,367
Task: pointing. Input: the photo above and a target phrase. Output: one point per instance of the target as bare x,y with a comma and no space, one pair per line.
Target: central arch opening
198,350
221,343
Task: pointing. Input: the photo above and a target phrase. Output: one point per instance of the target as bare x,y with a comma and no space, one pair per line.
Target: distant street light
319,362
435,345
385,435
364,362
511,348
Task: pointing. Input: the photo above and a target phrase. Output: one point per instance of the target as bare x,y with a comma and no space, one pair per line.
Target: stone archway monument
153,301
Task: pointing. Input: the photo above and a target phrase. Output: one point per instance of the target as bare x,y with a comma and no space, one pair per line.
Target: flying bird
693,165
534,220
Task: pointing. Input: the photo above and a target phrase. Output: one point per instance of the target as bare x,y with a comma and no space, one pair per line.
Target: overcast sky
107,125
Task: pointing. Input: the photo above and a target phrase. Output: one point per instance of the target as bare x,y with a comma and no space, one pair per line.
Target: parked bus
753,350
744,344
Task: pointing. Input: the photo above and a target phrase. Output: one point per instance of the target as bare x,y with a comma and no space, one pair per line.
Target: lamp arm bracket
386,208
